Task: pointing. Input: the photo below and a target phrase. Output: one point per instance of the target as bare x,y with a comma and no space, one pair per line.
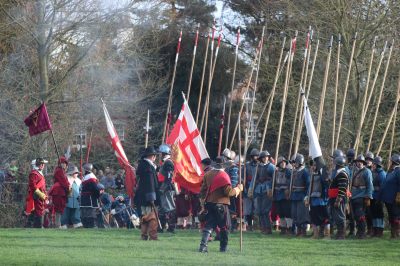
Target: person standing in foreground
215,192
37,197
379,176
390,195
72,213
148,194
89,197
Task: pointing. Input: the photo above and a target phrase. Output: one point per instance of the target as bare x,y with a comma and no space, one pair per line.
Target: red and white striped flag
130,178
188,150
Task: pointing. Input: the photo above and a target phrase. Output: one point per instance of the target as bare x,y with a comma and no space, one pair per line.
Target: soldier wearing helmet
361,194
232,169
337,194
167,189
390,195
369,158
298,191
89,196
281,194
248,202
376,209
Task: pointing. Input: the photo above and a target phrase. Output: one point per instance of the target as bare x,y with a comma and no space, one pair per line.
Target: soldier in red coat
37,197
59,191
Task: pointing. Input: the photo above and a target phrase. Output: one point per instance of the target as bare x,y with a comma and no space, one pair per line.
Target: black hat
40,161
150,151
206,161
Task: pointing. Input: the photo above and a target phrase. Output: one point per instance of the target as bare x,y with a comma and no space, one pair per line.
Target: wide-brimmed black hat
150,151
40,161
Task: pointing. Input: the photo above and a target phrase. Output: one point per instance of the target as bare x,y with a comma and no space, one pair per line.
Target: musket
365,108
202,79
345,90
325,83
168,116
335,93
232,87
221,128
147,128
380,97
193,60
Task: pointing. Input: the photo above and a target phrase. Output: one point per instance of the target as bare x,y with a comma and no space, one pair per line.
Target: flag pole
305,63
221,129
193,60
89,145
324,85
364,113
240,195
335,93
55,144
232,87
168,117
202,79
380,97
345,90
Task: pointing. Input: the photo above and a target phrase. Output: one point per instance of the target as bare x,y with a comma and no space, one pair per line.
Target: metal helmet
369,156
100,186
340,161
378,161
360,158
351,153
233,155
299,159
165,148
227,153
337,153
395,159
254,152
264,154
280,160
88,167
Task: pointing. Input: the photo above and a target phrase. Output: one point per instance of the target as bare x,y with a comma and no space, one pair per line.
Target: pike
380,96
285,91
209,84
147,129
345,90
221,128
392,138
253,68
305,62
392,115
232,87
89,145
240,195
193,60
202,79
335,93
168,116
357,142
325,83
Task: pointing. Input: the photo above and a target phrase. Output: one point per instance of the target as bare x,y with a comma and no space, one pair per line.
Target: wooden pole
324,85
380,97
168,113
202,79
393,136
240,195
358,138
89,145
391,117
306,51
221,129
345,90
193,60
335,93
232,87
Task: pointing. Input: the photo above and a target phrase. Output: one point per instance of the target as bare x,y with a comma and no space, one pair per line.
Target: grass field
123,247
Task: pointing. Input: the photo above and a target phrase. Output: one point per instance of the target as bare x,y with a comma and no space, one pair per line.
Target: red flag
38,121
130,178
188,150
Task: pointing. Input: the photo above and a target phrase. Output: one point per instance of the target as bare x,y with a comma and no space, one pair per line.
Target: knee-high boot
204,240
223,242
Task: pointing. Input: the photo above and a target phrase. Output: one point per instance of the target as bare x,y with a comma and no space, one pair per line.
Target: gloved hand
306,201
398,198
238,190
367,202
240,186
40,194
337,203
113,212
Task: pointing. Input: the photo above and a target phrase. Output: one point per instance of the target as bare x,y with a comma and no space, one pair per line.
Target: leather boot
397,229
327,231
153,229
204,240
58,220
321,231
38,221
393,230
361,230
340,234
315,232
223,242
379,232
283,231
370,231
143,228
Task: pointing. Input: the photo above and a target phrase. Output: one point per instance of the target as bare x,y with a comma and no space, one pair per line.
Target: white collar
151,163
89,176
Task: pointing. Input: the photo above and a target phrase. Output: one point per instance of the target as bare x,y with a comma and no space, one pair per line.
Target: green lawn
123,247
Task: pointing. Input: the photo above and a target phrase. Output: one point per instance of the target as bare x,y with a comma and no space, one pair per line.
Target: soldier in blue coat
376,209
248,197
300,184
361,195
390,195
